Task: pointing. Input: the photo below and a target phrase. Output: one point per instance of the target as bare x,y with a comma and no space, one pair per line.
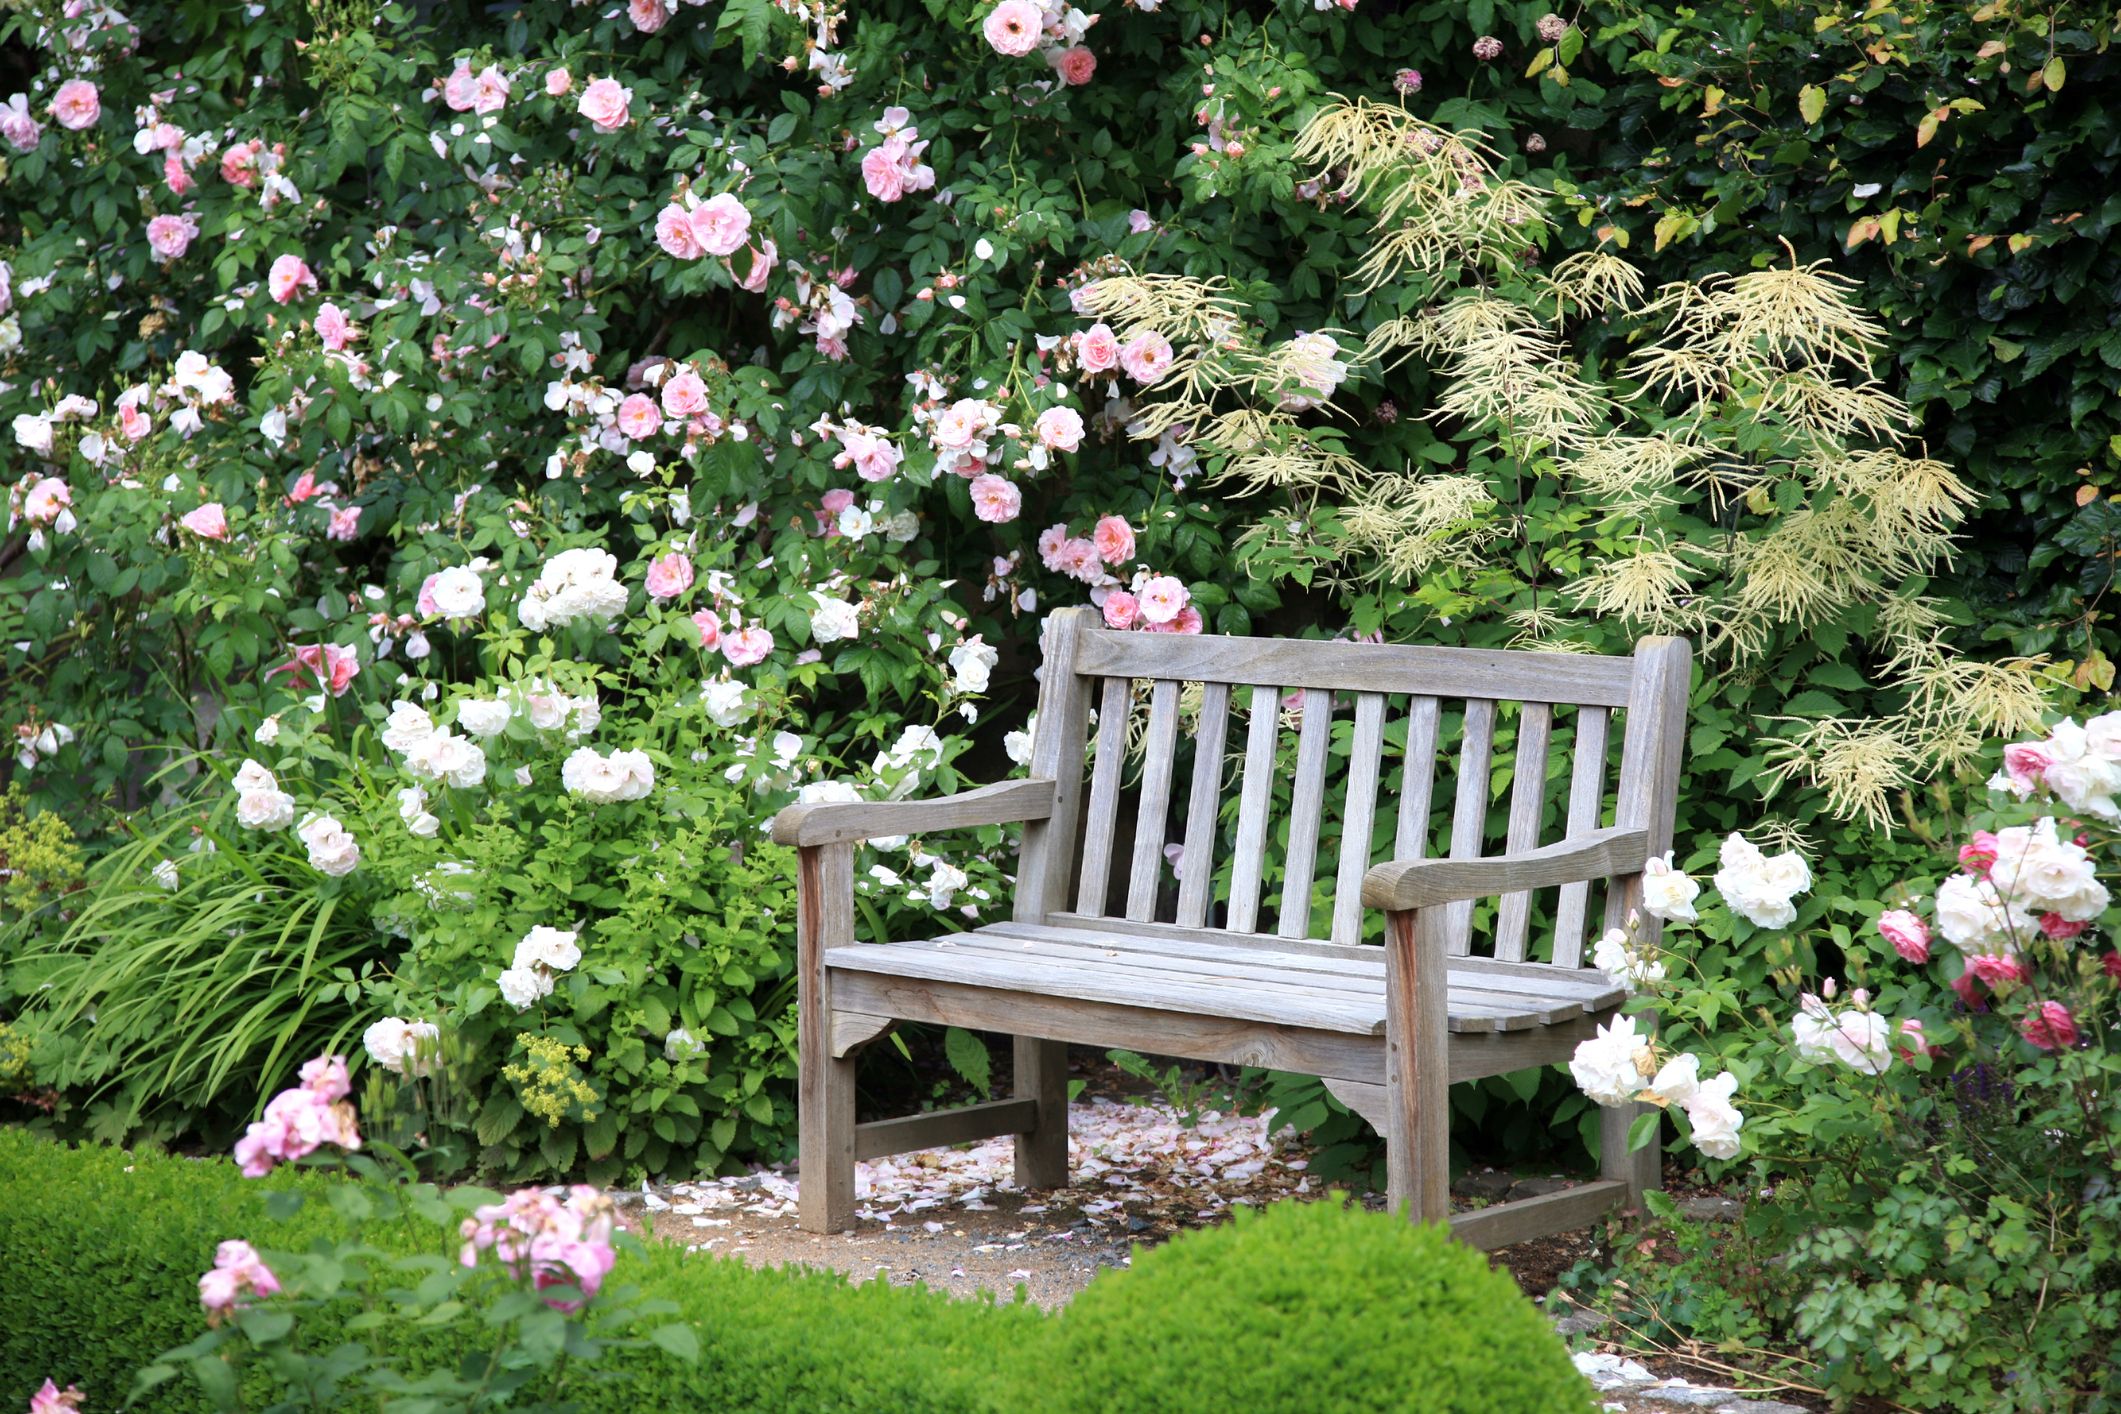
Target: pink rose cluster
688,228
744,647
483,92
299,1121
894,167
1155,603
1014,28
869,450
238,1271
53,1400
551,1240
1145,358
333,665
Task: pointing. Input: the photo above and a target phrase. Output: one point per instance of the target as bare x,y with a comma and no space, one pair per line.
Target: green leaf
1643,1129
679,1341
1811,102
967,1055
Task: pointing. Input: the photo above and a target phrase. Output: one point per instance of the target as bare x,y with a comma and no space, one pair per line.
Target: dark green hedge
1310,1306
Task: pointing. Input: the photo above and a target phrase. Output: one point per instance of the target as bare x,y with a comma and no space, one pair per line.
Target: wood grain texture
1103,813
852,1030
1360,667
1423,883
1307,808
1586,807
1417,780
1159,757
1417,1067
824,1082
1469,810
1248,857
942,1128
1370,1101
845,822
1203,806
1046,864
1527,1218
1358,815
1528,803
1041,1077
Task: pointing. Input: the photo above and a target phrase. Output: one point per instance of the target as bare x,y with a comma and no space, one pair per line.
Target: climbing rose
1121,609
1908,934
1487,48
557,83
1114,539
1076,65
2050,1027
673,232
76,105
53,1400
333,329
170,236
747,646
1013,26
289,276
721,225
1097,348
1147,356
709,623
604,104
209,522
994,499
1161,599
1061,429
639,418
669,576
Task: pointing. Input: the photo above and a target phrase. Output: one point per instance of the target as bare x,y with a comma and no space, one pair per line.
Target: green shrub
1331,1309
1307,1306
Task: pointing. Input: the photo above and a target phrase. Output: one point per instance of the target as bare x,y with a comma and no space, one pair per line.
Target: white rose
265,810
834,792
681,1044
448,757
725,702
944,880
34,432
268,731
253,777
331,849
2084,777
586,714
1668,893
1018,747
1623,964
1714,1119
1760,889
520,986
2040,872
834,619
639,773
546,708
1608,1067
165,874
972,661
1679,1081
1973,918
408,727
549,947
1860,1040
389,1041
458,593
483,716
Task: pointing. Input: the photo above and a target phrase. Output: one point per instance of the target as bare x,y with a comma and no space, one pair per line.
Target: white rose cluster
331,849
1618,1066
2079,765
542,952
550,710
604,780
2034,874
1625,962
726,701
574,585
1854,1036
403,1047
431,752
1760,889
260,803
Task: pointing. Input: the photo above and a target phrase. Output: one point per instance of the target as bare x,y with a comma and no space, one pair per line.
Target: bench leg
1641,1170
1417,1069
1042,1075
824,1084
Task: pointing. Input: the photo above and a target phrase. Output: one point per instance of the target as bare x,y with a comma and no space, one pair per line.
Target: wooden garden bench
1130,961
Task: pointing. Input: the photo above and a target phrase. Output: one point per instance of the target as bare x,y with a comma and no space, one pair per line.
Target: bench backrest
1406,708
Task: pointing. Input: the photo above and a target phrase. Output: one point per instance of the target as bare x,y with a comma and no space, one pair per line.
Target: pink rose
961,424
995,500
761,267
239,165
2050,1027
721,225
673,232
685,394
2054,925
2025,762
1078,557
1013,27
709,624
1051,542
490,94
745,646
648,16
1161,598
1121,609
134,423
1908,934
288,277
638,417
304,488
557,83
76,105
170,236
209,522
1114,539
604,104
1061,429
333,328
1147,356
461,87
345,524
1978,854
174,175
838,499
46,501
669,576
53,1400
1996,968
1188,621
1097,348
882,171
1076,65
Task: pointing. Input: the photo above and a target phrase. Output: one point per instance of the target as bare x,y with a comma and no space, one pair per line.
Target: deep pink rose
1076,65
2054,925
1908,934
2050,1027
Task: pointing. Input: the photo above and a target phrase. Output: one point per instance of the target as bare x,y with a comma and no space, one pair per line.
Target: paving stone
1484,1183
1711,1208
1539,1187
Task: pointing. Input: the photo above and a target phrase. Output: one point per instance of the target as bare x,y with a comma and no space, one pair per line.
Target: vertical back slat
1158,752
1650,756
1469,814
1528,802
1359,818
1586,804
1112,716
1249,858
1196,866
1417,779
1045,869
1307,807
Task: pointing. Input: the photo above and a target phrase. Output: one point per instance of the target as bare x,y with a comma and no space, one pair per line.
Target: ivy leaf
967,1055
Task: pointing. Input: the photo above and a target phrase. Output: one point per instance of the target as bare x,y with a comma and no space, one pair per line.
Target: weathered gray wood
1041,1077
1421,883
1096,874
1417,780
1307,807
1248,857
1159,755
1527,1218
1360,667
1196,865
1046,863
1469,810
844,822
1648,797
1372,1102
943,1128
1358,815
852,1030
1417,1067
824,920
1062,977
1173,1032
1586,803
1528,803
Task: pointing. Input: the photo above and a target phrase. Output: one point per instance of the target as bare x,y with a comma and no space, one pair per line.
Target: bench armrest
844,821
1424,883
